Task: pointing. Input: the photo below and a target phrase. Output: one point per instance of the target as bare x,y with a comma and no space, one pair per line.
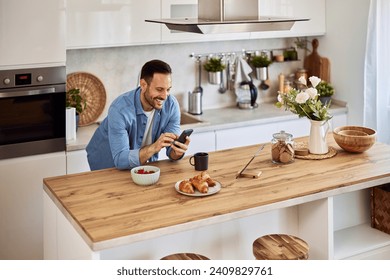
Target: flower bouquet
305,103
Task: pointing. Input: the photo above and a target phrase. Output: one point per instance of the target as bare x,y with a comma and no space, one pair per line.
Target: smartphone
184,134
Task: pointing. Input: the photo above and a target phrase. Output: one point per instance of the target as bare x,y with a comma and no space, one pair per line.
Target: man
139,124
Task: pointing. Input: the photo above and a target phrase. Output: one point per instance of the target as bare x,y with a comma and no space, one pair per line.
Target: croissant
200,185
186,186
206,177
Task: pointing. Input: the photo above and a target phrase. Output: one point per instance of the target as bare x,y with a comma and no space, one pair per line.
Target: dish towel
243,70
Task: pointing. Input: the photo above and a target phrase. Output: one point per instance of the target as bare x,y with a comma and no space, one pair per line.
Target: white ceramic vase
317,137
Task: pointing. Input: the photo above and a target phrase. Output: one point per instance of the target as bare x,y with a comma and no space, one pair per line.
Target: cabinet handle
6,94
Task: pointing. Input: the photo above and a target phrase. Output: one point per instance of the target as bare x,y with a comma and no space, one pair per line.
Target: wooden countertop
108,209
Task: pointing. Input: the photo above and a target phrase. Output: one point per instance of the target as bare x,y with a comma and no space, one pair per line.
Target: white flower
314,81
302,80
312,92
304,102
302,97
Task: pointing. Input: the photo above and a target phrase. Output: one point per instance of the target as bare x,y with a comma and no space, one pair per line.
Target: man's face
156,92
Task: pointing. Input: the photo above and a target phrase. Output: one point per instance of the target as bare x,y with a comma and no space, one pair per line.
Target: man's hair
154,66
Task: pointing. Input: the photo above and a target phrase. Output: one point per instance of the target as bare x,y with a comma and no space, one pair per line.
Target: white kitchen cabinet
200,142
32,33
21,205
93,23
109,23
256,134
244,136
344,231
76,162
354,238
314,10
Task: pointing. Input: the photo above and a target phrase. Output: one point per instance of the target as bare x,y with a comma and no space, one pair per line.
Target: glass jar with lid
282,147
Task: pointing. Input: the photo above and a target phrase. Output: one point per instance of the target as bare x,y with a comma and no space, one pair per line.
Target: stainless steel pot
195,97
195,102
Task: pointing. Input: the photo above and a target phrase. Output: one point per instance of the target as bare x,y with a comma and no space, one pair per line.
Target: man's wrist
175,156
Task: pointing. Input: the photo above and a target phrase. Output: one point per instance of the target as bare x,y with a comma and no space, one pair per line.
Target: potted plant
214,66
74,99
325,91
261,63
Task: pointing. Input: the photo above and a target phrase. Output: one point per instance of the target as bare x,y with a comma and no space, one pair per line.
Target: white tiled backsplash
118,68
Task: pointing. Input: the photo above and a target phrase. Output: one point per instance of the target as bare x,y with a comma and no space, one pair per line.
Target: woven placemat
92,90
331,153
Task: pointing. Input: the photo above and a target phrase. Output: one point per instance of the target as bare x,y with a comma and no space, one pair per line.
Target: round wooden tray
92,90
331,153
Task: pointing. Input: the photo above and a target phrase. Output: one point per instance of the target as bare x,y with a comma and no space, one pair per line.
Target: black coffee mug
200,161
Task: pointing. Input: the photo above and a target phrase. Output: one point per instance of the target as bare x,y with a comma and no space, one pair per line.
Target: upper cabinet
314,10
32,33
107,23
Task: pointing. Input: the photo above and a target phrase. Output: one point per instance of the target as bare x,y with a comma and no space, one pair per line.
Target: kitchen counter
108,210
220,118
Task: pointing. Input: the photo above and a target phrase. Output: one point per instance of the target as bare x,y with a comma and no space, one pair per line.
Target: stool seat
185,256
280,247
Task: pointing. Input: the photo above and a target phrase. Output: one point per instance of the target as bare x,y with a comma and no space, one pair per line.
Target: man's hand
179,149
165,140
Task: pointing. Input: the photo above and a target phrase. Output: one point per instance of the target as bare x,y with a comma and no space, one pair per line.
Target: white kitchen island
104,215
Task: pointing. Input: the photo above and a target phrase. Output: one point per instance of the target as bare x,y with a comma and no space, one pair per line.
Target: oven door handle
5,94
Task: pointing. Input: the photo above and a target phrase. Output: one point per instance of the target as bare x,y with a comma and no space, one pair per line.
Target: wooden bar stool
280,247
185,257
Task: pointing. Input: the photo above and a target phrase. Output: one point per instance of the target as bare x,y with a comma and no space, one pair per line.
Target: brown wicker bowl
354,139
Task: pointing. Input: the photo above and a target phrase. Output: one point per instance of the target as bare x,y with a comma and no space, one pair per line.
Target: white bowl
145,179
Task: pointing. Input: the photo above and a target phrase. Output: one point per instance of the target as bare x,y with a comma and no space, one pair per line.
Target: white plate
212,190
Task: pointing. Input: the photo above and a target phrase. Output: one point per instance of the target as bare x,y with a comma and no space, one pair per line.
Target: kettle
247,95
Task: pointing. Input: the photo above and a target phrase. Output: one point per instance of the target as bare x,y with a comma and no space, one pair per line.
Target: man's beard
150,101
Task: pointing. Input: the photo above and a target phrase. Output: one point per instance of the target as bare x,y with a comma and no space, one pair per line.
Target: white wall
118,68
344,44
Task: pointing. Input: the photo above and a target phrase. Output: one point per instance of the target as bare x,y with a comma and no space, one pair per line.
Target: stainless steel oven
32,111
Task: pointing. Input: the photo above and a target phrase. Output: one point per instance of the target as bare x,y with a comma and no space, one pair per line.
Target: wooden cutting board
317,65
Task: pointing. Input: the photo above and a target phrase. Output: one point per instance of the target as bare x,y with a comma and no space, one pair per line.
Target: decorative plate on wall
92,90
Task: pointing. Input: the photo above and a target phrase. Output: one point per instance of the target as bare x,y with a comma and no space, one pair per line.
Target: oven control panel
16,78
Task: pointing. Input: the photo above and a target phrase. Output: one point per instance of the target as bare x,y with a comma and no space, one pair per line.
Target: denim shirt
117,141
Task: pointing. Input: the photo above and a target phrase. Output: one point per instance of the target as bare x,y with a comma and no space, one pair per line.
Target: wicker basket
92,90
380,208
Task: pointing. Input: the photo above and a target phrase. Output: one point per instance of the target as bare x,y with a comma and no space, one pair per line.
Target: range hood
228,16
